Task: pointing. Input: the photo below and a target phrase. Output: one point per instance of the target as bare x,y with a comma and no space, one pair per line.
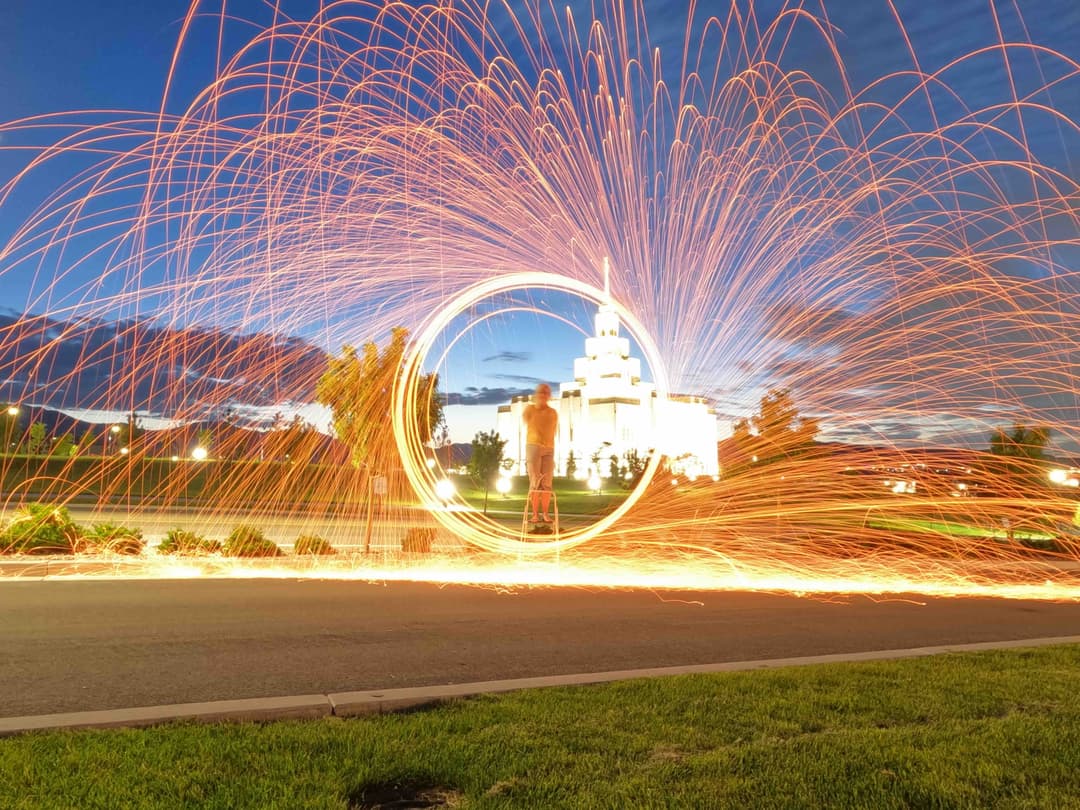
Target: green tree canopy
358,388
1019,453
37,441
776,430
1022,442
487,455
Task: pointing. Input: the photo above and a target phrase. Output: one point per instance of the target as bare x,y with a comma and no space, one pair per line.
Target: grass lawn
573,500
953,528
994,729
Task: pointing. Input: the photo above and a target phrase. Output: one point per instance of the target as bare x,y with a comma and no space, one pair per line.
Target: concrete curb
235,710
381,701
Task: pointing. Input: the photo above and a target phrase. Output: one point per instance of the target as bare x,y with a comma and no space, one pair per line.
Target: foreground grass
995,729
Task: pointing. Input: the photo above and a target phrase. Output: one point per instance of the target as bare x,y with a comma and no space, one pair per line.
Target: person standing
541,422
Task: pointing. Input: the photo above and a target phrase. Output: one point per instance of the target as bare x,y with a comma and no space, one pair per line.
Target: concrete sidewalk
379,701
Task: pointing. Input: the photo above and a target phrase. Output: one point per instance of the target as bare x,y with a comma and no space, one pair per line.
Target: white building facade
608,411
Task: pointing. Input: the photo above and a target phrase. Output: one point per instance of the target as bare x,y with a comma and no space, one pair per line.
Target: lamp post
10,421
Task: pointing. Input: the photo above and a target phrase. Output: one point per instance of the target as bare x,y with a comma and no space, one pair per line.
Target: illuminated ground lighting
503,484
12,410
445,489
430,463
124,451
1065,478
473,527
595,483
200,454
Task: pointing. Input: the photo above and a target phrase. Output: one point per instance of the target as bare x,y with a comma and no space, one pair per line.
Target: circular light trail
472,526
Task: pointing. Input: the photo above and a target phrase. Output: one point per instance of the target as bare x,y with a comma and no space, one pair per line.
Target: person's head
543,394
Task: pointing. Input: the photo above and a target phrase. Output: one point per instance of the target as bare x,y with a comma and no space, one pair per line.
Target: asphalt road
73,646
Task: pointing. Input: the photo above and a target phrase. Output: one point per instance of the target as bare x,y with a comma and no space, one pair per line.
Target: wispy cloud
509,357
484,395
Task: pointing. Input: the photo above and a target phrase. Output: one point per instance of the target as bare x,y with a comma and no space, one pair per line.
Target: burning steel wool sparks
901,256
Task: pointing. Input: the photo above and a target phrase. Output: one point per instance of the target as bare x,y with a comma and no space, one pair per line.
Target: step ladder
550,531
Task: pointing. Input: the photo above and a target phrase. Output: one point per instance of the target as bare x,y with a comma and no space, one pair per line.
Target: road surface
87,645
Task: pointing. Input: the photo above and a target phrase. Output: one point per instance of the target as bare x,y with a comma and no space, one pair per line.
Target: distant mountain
123,365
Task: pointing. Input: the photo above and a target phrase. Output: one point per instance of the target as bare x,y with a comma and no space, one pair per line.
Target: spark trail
900,255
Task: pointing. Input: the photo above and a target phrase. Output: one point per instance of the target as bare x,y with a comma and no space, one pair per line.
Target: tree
1022,443
1020,451
358,388
64,447
776,430
37,443
487,454
130,431
571,465
86,441
635,465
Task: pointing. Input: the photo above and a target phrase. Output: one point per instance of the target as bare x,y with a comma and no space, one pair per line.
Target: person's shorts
540,462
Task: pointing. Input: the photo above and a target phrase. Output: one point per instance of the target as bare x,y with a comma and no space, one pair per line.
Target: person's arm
526,415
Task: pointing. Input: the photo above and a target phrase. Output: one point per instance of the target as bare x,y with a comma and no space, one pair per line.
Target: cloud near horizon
485,396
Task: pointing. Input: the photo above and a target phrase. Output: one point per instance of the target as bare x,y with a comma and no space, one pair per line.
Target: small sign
379,485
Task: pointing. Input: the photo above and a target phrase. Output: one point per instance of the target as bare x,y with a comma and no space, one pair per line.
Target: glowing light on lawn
12,410
200,453
503,484
595,482
445,489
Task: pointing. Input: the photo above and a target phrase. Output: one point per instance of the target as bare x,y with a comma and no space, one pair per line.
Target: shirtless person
541,421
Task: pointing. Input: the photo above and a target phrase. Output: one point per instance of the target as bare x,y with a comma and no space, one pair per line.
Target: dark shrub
418,540
247,541
111,538
38,528
312,544
181,541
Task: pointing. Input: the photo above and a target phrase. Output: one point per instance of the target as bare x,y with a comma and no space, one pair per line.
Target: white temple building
608,411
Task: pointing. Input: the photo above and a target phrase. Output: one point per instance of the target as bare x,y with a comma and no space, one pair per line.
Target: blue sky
58,55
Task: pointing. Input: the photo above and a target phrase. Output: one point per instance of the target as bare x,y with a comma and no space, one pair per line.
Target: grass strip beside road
954,529
998,728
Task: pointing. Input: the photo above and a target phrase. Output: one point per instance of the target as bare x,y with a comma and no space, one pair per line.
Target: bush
247,541
111,538
312,544
181,541
38,528
418,540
